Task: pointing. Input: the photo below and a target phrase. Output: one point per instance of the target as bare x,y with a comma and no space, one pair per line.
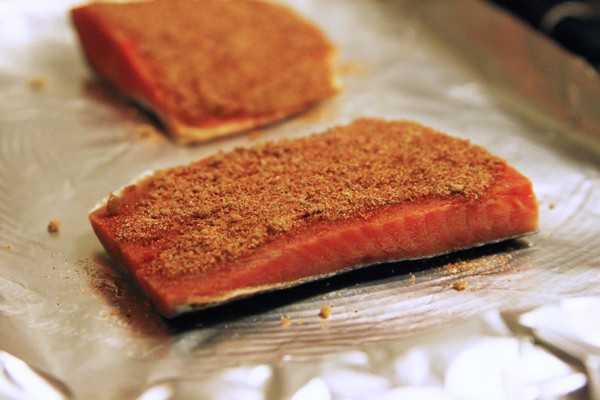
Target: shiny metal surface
66,142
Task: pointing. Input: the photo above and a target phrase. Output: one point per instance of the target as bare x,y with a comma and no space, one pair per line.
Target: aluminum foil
71,327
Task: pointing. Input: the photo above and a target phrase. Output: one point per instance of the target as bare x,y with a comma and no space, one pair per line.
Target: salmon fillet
279,214
208,68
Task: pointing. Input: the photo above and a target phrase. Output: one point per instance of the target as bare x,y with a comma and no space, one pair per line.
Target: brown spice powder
223,207
285,322
225,58
460,285
325,312
481,265
38,83
54,226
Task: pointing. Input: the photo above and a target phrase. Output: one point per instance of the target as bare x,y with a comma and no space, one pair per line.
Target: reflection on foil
572,326
480,359
18,381
508,368
159,392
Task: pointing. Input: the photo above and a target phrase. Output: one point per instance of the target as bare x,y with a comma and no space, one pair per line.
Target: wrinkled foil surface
72,327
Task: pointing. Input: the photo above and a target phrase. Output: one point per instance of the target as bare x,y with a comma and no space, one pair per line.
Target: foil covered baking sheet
72,327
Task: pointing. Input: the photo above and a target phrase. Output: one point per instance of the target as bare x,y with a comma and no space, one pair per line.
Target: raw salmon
278,214
208,68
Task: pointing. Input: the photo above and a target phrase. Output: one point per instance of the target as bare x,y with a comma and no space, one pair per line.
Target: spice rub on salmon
208,68
278,214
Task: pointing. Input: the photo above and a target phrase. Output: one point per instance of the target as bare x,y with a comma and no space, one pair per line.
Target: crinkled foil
71,327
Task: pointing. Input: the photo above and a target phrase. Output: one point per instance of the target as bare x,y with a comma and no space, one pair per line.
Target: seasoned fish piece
279,214
208,68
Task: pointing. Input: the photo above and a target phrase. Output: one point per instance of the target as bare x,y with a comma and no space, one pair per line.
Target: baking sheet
66,142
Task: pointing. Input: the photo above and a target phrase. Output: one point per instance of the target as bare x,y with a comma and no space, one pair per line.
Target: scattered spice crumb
10,246
460,285
54,226
452,269
413,279
325,312
285,322
552,206
480,265
38,83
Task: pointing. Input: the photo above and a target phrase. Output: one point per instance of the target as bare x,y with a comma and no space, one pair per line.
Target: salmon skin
208,68
279,214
